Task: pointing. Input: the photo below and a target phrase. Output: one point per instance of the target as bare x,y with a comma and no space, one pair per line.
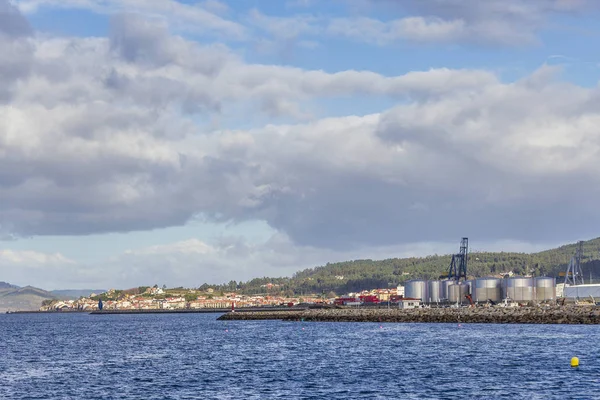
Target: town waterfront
195,356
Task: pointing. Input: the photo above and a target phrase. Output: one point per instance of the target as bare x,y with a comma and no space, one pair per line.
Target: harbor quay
194,311
569,314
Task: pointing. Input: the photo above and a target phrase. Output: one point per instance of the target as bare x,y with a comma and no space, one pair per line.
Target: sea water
194,356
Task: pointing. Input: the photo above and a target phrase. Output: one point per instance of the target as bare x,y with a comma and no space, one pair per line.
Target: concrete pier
243,310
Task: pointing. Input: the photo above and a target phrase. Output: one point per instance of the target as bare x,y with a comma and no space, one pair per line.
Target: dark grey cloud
507,161
12,22
138,40
16,51
351,212
149,43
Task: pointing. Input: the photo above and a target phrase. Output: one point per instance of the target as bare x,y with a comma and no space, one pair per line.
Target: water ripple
192,356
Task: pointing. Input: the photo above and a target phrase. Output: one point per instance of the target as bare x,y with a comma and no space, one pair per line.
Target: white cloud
31,258
285,27
504,22
490,22
299,3
191,246
192,262
45,270
104,130
411,28
217,7
102,135
195,262
503,155
200,17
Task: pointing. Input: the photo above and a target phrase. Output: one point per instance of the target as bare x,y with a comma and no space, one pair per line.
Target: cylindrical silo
545,289
416,289
471,284
519,289
457,292
445,285
487,289
434,290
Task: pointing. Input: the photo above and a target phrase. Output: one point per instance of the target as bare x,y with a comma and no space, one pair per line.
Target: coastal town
156,298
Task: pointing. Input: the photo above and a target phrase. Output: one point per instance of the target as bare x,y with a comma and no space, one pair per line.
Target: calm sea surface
193,356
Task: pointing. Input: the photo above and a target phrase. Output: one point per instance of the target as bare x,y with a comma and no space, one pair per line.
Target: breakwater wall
497,315
160,311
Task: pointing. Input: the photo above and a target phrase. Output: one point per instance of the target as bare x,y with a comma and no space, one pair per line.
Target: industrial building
574,285
457,289
582,291
482,290
407,303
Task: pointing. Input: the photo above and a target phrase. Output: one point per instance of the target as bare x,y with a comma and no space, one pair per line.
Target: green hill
349,276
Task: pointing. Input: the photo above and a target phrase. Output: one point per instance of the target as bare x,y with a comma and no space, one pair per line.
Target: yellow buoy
574,362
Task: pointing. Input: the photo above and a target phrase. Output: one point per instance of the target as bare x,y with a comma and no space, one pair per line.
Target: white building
560,289
408,303
582,291
400,290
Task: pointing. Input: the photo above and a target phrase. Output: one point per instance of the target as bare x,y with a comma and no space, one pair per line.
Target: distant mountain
5,285
75,293
27,298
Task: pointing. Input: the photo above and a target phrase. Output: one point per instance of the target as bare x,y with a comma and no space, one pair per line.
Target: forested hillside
356,275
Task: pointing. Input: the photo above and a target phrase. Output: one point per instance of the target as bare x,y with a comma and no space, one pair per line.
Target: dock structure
195,310
166,311
161,311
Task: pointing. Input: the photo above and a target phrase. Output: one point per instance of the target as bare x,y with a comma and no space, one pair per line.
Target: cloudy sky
182,142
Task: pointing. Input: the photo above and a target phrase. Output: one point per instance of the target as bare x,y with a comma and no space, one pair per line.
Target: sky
181,142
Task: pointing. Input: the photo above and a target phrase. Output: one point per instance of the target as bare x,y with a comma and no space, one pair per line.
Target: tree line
355,275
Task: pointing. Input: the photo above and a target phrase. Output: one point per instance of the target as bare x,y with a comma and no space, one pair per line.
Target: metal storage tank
545,288
416,289
445,284
471,284
457,292
488,289
519,289
434,291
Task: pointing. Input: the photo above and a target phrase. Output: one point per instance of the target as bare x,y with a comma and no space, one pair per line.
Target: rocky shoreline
495,315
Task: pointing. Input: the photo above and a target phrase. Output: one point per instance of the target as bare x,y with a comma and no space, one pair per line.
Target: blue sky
564,39
190,142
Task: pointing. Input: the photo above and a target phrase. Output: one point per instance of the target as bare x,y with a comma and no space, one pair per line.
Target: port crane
458,265
574,274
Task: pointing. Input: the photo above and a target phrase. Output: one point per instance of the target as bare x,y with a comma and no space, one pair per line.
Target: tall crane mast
458,265
574,274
